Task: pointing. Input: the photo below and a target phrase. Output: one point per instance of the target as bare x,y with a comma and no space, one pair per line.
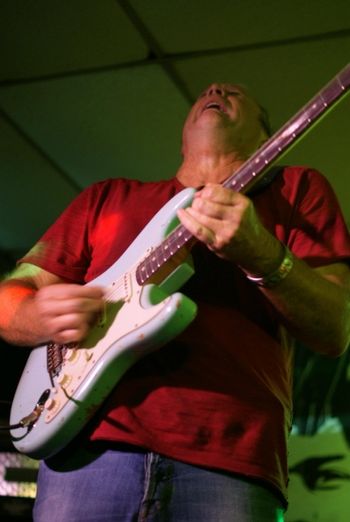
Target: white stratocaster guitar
62,385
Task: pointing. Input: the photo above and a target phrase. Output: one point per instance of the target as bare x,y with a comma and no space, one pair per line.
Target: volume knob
63,379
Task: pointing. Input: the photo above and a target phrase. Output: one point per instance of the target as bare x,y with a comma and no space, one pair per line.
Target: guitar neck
283,140
254,169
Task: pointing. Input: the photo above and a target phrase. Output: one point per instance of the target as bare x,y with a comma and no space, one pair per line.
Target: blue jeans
134,486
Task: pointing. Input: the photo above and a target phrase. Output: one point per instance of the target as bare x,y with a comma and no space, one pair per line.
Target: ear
263,139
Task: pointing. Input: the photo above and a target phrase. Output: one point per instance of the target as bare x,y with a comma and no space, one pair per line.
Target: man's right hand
37,307
68,311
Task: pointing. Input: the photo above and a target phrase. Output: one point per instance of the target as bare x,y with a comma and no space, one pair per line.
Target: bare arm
313,303
37,306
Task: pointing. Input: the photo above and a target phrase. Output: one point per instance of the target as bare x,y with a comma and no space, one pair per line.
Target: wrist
274,277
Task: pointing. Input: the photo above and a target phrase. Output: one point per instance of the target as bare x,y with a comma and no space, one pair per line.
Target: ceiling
97,89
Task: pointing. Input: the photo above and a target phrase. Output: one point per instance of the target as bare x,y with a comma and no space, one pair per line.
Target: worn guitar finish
62,386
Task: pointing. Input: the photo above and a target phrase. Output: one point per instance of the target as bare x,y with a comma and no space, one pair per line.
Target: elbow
337,345
345,342
336,352
338,338
332,341
343,334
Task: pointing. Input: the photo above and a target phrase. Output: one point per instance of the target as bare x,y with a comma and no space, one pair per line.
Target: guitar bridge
55,355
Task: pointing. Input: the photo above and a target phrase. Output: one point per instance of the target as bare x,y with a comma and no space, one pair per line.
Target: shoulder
298,184
297,175
113,186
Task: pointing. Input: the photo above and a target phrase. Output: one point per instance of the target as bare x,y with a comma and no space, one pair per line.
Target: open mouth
215,106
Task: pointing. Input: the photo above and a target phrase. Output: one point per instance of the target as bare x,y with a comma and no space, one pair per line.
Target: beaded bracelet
274,278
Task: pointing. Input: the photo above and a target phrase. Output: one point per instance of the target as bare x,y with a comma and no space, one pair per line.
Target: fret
162,253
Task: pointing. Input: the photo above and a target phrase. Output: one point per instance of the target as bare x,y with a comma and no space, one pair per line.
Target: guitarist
197,430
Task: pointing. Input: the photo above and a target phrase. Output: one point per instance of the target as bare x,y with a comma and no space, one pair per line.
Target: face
226,111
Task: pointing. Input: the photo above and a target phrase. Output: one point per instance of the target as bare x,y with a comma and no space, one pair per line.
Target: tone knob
63,379
49,404
71,355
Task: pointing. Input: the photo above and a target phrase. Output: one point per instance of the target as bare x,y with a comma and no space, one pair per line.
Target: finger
219,194
215,192
52,306
221,206
193,222
70,327
65,291
69,336
219,221
209,208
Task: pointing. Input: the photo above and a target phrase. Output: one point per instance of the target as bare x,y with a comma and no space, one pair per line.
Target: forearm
19,321
315,309
314,304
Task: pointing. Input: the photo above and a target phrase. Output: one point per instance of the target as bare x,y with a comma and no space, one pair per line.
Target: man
197,430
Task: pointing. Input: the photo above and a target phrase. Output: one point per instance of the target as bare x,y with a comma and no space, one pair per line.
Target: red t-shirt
220,394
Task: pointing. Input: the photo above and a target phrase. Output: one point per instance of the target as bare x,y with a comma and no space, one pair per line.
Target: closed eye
233,93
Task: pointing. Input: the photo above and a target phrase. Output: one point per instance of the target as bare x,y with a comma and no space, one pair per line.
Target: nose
215,88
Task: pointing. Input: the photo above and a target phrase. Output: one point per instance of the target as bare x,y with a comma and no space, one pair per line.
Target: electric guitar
63,385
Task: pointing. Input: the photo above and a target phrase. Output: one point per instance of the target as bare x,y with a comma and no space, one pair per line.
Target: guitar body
138,320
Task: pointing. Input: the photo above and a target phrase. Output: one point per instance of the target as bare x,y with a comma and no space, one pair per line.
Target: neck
196,171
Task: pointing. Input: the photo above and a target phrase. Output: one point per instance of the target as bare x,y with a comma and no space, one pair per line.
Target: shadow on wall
320,441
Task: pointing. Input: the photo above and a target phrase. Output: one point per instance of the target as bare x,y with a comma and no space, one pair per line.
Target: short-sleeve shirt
220,394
